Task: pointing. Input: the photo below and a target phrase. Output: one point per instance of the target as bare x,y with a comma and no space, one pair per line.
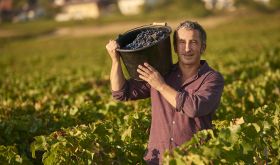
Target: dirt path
115,28
7,33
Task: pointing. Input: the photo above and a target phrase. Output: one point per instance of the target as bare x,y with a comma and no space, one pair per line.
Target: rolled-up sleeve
132,90
181,96
203,101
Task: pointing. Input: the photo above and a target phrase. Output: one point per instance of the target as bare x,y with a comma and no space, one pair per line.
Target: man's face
189,46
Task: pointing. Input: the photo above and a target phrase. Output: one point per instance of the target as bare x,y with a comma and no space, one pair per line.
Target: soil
115,28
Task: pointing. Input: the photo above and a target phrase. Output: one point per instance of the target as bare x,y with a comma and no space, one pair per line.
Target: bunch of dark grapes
147,38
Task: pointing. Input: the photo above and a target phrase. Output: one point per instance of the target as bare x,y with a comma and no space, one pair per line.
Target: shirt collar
204,67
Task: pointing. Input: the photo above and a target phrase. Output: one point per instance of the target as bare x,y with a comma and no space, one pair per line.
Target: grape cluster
147,38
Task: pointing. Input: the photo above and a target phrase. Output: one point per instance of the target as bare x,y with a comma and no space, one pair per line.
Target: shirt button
173,122
171,139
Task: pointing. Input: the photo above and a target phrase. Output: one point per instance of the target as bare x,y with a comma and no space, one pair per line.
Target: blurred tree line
273,5
196,7
181,4
46,5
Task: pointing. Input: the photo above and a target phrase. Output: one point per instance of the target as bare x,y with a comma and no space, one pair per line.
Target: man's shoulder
212,73
214,76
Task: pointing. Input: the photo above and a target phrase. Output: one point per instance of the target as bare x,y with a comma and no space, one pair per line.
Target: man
183,101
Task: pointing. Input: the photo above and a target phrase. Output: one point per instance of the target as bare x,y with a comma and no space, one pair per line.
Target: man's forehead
184,32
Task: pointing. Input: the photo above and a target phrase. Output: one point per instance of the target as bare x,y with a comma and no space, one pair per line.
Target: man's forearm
169,94
116,76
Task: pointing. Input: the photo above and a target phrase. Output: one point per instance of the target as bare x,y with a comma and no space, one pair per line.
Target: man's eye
193,42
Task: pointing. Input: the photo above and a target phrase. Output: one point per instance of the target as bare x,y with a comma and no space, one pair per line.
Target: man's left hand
151,75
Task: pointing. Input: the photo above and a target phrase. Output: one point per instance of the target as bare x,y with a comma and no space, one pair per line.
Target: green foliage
9,155
49,8
99,142
275,4
271,6
255,140
190,7
19,4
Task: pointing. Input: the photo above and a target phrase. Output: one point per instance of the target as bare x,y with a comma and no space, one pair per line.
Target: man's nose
187,47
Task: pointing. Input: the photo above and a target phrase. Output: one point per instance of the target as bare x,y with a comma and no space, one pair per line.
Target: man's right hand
111,47
117,78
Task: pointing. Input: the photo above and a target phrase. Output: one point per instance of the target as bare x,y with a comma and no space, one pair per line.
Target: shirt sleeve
205,100
132,90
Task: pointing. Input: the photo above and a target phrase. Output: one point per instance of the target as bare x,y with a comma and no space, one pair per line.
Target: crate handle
160,23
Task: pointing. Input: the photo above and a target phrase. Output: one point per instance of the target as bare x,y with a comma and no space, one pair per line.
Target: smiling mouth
187,55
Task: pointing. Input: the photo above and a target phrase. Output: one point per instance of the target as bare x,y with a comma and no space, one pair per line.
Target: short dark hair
190,25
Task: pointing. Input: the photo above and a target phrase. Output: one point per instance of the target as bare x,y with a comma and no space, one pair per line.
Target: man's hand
117,78
151,75
111,48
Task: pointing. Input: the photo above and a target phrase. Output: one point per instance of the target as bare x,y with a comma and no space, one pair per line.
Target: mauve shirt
197,99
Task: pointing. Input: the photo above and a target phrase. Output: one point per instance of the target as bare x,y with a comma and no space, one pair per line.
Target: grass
55,55
242,40
240,37
33,29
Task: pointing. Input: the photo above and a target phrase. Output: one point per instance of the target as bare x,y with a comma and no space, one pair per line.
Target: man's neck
188,70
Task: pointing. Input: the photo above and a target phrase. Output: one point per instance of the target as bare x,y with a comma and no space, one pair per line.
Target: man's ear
203,48
175,49
175,42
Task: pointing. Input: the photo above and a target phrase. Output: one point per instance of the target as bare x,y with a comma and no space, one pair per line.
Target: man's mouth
187,55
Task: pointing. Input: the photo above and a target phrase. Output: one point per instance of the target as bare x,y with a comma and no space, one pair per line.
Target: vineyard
56,105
